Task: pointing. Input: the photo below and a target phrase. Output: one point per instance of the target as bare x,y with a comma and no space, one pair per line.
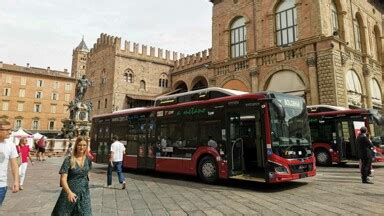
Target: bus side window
190,132
234,127
211,128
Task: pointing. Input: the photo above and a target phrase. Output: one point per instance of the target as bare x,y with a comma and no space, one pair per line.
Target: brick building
35,99
329,52
126,76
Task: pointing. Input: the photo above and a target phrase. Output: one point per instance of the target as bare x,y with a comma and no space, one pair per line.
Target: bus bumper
379,155
277,177
288,170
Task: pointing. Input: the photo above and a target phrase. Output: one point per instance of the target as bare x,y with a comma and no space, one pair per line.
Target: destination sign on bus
291,102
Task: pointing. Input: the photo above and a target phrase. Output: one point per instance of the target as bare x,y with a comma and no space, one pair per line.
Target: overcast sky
44,32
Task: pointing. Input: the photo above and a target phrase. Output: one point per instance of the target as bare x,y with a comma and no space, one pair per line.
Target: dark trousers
365,169
118,167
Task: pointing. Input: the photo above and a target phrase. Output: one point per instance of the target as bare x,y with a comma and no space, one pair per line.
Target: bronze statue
81,87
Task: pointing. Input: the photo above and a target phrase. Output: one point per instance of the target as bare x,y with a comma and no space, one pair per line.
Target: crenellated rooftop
106,41
134,49
193,60
150,51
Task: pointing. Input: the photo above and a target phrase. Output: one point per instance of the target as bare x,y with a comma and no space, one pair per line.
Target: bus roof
324,108
223,90
340,113
191,103
196,95
242,95
376,116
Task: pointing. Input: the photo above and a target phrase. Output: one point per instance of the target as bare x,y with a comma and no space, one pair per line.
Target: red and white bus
334,131
261,137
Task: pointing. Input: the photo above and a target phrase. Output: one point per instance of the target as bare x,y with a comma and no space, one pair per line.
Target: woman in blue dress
74,198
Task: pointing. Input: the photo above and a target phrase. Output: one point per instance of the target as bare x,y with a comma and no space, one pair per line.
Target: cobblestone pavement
334,191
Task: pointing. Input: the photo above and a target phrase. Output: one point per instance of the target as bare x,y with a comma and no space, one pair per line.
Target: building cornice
35,71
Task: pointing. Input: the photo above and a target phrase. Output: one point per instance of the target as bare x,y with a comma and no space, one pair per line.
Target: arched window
357,33
354,90
238,38
128,76
376,93
288,82
92,79
142,85
335,19
286,23
103,77
163,81
376,44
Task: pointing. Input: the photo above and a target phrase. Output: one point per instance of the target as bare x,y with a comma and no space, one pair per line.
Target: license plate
302,166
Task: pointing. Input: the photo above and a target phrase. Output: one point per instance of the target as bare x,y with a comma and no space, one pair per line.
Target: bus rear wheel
323,158
208,171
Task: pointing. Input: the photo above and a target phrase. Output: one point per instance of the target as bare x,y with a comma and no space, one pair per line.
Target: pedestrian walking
24,153
8,153
41,144
365,154
69,150
116,162
75,198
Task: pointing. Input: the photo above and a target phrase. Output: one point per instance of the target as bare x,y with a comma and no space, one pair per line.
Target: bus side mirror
278,108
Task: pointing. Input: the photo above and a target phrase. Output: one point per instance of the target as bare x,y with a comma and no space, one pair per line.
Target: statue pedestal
78,124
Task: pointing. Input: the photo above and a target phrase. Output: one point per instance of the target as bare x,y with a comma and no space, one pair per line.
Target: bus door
146,144
245,143
103,142
235,145
345,141
340,140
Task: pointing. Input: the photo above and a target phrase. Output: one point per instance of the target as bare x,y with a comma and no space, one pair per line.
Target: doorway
245,142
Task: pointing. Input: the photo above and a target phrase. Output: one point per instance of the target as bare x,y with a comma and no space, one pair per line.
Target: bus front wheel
323,158
208,171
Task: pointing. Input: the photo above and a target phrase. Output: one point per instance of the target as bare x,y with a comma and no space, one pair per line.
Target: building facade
126,76
35,99
327,51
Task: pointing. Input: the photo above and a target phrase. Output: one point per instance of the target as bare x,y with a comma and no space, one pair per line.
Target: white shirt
118,150
7,151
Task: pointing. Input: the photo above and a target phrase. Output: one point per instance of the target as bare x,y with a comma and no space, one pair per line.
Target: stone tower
79,60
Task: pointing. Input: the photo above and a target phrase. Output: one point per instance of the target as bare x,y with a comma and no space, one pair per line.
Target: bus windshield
377,121
290,132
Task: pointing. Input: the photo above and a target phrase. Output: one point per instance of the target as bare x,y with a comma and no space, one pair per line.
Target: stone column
367,80
313,84
254,73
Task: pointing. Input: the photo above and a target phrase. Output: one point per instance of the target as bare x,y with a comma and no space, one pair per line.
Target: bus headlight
278,168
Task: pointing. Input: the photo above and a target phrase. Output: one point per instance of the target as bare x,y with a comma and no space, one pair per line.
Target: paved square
334,191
